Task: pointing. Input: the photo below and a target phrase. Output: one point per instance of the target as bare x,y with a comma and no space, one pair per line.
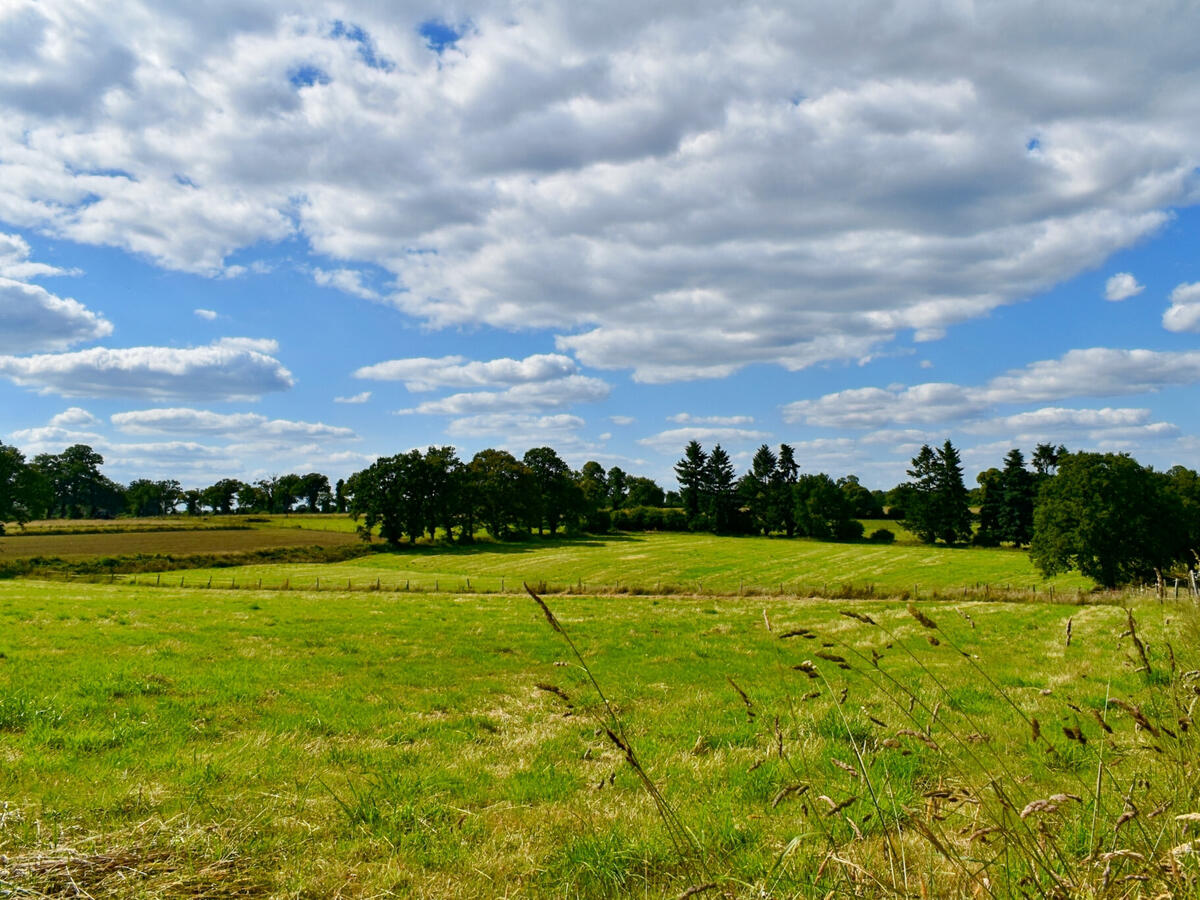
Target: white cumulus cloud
32,318
229,369
1092,372
425,374
349,281
673,440
536,395
1122,286
16,264
75,417
1184,312
184,420
689,419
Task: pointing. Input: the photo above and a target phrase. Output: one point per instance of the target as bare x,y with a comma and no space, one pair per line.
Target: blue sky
258,239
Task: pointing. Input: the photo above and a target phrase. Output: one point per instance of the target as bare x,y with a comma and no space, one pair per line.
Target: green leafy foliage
1109,517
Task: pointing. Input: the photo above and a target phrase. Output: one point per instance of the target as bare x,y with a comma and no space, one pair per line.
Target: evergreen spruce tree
786,474
720,484
937,506
1016,500
988,534
756,490
920,510
690,472
954,510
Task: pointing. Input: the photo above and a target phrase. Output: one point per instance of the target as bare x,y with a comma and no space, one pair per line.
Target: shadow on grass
486,546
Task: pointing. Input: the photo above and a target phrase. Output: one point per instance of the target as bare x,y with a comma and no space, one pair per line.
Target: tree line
1102,514
1105,515
70,485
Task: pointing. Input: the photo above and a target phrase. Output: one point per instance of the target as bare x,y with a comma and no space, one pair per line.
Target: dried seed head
545,609
807,668
845,767
552,689
750,711
921,617
1039,806
798,632
862,617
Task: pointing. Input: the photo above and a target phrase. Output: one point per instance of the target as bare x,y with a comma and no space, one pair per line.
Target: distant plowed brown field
175,543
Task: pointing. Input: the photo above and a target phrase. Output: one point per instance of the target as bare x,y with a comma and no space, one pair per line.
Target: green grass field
656,563
243,743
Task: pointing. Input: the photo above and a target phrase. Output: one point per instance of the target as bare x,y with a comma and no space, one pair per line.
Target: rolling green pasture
165,742
656,563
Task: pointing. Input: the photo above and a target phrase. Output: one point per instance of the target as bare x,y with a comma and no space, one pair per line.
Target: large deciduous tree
14,487
644,492
555,496
387,495
593,481
219,497
1184,484
618,487
1046,458
145,497
314,489
1110,518
822,510
863,504
76,486
445,506
501,486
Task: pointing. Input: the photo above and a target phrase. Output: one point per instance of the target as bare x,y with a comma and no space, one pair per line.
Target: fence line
503,585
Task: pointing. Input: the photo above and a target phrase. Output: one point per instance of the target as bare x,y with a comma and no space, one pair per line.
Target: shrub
882,536
849,530
649,518
598,521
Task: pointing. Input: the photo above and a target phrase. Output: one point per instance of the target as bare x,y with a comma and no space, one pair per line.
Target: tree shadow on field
520,545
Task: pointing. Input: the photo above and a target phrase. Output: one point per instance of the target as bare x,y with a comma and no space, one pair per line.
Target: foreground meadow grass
159,742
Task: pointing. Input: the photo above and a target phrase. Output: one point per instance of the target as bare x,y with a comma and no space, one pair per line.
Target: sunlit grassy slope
680,562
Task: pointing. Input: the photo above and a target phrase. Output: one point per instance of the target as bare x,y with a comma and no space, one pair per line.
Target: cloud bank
677,189
229,369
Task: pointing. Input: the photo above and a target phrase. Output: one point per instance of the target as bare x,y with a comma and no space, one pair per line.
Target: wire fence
500,584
